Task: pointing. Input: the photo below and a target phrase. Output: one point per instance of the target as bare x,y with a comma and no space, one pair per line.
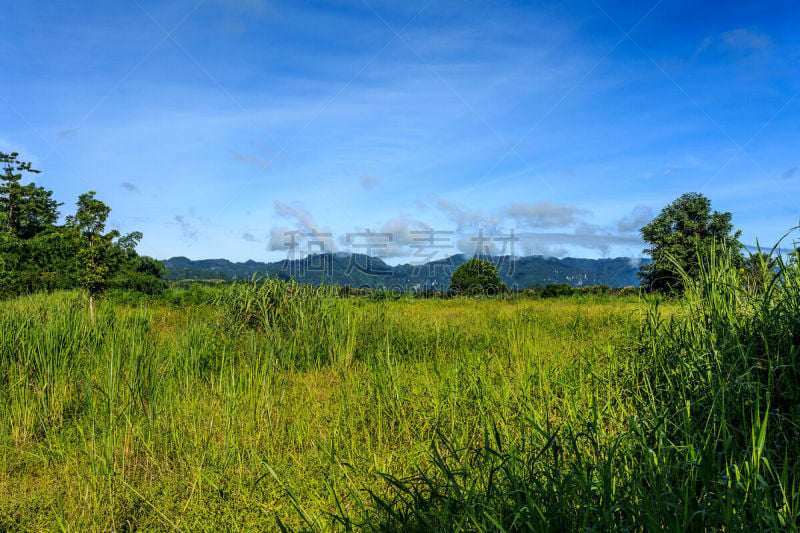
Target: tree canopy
680,237
477,276
25,210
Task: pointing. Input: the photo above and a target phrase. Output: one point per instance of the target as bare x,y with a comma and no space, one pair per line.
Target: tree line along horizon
38,254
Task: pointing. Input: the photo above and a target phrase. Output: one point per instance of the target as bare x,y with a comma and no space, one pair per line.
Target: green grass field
266,406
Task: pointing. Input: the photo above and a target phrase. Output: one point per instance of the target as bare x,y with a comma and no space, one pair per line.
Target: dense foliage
477,276
36,253
680,238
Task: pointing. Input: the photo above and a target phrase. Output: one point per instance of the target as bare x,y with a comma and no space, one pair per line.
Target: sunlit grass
261,405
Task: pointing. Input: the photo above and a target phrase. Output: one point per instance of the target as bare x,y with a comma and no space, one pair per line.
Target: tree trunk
91,307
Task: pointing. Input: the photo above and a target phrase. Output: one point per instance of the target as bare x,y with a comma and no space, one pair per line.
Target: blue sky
216,126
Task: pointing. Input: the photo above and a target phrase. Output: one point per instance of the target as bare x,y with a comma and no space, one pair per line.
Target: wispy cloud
249,237
302,218
639,216
128,186
406,235
187,229
562,244
464,217
544,214
506,231
249,7
739,40
742,39
252,159
486,107
303,236
368,180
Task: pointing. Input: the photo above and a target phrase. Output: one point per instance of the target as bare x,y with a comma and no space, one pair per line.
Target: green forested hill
357,270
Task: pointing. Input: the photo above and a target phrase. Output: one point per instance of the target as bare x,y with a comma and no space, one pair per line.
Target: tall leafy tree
25,210
95,258
682,234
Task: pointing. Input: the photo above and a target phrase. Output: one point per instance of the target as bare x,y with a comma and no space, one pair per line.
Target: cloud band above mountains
520,228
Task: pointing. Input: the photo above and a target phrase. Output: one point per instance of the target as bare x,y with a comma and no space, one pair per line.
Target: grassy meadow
275,406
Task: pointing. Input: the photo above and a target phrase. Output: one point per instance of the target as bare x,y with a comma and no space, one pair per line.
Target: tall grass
721,400
266,404
701,433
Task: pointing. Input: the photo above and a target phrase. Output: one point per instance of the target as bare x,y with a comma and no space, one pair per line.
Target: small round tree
477,276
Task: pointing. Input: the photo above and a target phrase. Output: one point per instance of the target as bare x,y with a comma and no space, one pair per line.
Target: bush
555,290
137,281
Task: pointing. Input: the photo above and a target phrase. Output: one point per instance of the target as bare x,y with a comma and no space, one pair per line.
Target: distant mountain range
358,270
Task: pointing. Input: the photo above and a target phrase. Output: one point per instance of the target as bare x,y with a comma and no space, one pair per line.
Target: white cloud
640,215
279,238
544,214
403,237
563,244
304,238
302,218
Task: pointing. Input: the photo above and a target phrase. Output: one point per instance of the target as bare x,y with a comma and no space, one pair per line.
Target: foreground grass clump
705,433
267,405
